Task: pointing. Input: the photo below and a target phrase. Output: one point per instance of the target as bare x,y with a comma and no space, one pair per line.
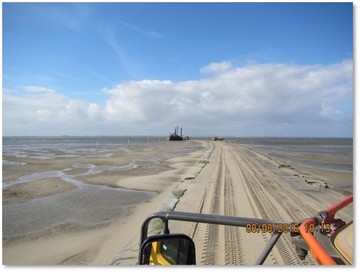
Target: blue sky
240,69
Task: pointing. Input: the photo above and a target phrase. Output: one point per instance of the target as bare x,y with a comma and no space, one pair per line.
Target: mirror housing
167,249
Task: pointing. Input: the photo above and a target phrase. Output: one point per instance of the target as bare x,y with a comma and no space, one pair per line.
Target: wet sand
46,201
213,178
20,193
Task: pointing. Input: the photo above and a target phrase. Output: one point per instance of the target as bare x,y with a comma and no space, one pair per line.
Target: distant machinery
176,136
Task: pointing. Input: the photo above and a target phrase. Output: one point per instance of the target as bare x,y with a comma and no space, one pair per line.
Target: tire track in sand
243,186
273,200
222,244
234,253
209,255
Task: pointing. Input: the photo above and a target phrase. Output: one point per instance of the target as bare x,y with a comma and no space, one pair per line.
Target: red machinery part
316,249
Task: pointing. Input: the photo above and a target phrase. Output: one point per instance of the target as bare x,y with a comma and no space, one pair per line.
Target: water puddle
88,206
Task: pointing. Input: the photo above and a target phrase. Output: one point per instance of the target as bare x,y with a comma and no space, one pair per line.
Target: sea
84,146
334,154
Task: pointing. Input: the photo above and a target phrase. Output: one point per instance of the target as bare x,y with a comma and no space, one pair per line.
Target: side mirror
168,249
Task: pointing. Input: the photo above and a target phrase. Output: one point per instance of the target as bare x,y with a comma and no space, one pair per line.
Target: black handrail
213,219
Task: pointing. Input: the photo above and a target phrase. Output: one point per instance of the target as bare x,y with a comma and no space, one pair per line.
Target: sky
226,69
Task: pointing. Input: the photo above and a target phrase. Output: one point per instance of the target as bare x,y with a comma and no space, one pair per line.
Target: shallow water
334,154
87,205
330,158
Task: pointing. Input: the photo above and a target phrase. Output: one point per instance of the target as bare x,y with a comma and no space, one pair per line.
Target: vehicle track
267,196
211,234
274,200
223,244
233,240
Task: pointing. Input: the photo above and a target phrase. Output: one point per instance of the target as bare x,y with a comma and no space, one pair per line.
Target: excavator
328,239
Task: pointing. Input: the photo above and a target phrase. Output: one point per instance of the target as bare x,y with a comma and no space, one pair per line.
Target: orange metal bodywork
316,249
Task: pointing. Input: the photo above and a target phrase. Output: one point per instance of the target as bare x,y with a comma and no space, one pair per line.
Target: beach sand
219,178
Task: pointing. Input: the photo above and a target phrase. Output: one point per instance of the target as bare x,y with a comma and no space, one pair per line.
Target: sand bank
77,241
24,192
220,178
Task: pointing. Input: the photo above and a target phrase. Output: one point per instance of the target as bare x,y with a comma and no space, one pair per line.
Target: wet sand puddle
87,205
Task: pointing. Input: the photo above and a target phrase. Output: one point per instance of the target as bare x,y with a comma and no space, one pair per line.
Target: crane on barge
176,136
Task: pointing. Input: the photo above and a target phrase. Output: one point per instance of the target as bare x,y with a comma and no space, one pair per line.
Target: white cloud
43,115
37,89
216,67
256,99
